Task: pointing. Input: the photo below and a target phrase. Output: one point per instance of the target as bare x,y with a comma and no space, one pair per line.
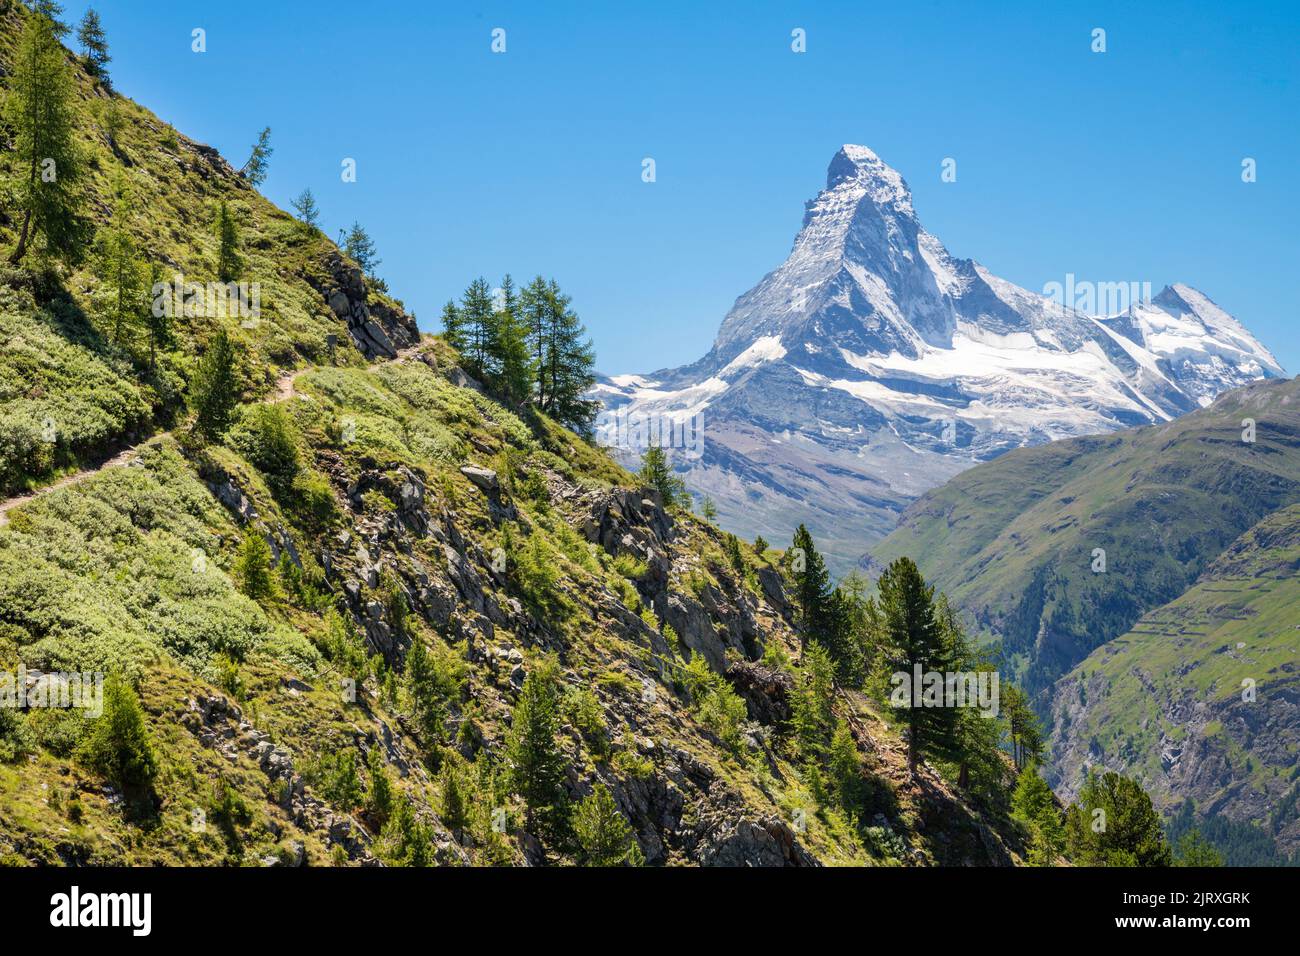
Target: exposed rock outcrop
379,329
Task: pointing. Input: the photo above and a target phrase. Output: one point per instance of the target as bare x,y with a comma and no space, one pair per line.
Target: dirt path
283,391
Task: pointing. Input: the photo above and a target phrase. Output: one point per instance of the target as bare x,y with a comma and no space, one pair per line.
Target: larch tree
479,322
453,327
94,46
508,348
361,248
230,265
572,362
51,10
536,762
259,161
215,388
48,165
123,297
157,322
308,212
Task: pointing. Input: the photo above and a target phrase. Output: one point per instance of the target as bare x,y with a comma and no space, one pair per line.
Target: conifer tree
259,161
1114,824
308,211
253,566
379,797
812,588
602,832
478,318
47,164
361,248
845,765
572,363
157,324
657,473
426,694
1193,849
215,390
230,265
977,737
534,307
812,718
453,327
455,808
117,742
532,753
1034,807
51,11
1022,722
123,300
914,638
508,348
94,46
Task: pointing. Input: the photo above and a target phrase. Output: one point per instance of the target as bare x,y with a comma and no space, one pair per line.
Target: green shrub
719,708
268,438
335,776
311,501
15,737
405,840
582,709
628,761
631,567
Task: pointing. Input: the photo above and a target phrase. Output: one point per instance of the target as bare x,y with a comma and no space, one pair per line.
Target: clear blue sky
1117,166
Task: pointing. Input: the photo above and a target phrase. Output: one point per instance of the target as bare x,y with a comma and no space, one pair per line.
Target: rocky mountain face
1143,586
872,365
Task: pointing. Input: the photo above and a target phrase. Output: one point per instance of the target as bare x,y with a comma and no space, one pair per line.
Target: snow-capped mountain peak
872,365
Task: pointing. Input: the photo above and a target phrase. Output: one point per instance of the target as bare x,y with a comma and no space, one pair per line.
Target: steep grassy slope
1013,541
1201,699
68,394
404,511
245,702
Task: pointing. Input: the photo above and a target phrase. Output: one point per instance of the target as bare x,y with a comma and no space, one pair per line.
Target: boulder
485,479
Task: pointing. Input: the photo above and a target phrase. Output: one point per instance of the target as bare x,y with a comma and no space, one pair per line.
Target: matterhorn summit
872,365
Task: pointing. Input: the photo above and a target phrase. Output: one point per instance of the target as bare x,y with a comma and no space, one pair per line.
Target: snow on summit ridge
872,365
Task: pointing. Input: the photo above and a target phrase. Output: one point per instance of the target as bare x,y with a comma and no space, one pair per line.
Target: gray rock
485,479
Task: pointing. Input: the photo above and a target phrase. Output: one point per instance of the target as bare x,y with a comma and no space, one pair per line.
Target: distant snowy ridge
872,365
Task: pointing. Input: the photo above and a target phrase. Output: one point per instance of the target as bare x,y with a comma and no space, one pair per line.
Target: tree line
852,640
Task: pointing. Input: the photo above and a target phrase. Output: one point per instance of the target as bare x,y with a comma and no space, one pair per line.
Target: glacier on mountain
872,365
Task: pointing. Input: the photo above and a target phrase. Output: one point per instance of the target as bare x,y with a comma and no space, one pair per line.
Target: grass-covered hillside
1014,541
69,393
352,609
1199,700
1141,665
442,569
